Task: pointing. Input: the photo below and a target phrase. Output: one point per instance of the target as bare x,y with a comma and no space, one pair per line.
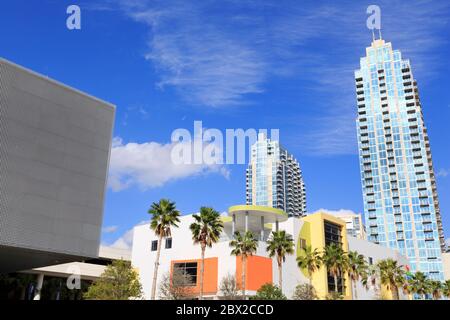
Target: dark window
189,269
340,284
154,245
370,260
168,243
332,233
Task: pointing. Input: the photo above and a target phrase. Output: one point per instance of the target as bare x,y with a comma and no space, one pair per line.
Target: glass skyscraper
401,204
274,178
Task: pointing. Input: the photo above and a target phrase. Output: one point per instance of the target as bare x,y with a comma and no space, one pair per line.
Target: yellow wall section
314,233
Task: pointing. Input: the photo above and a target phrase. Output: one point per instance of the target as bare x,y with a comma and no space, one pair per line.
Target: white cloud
110,229
335,212
126,240
443,173
149,165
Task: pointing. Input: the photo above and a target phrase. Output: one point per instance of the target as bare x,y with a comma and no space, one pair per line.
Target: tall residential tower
274,178
399,188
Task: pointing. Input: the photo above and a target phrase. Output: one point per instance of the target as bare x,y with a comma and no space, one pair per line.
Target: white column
246,221
262,228
233,226
40,282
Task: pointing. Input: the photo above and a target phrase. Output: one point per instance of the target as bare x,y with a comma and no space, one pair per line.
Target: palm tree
369,277
244,246
420,284
206,230
391,275
164,216
356,268
280,244
446,289
309,260
335,260
436,289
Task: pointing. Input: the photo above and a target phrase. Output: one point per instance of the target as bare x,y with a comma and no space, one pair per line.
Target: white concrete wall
446,265
377,253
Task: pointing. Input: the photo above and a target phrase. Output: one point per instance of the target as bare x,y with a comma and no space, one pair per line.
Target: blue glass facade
401,205
274,178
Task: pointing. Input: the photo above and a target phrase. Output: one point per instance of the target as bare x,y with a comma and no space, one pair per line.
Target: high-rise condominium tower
274,178
399,189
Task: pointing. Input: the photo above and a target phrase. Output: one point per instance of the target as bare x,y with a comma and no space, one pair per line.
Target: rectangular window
331,284
302,243
189,269
332,233
154,245
370,261
168,243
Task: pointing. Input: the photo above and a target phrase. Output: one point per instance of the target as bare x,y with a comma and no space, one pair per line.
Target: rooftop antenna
373,35
379,33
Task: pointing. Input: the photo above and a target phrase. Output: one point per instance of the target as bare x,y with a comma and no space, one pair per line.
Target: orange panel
259,272
209,278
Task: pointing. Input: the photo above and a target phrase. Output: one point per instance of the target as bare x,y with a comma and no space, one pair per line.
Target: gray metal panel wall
54,152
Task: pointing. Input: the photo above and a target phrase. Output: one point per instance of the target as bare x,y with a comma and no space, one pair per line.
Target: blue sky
231,64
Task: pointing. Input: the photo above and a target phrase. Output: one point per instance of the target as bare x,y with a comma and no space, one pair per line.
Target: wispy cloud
125,241
110,229
221,55
443,173
335,212
150,165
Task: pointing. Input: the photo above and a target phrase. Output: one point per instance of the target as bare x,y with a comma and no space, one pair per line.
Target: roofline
65,86
257,208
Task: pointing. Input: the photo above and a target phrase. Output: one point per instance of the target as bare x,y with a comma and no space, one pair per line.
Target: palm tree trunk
310,278
244,270
280,275
335,284
202,272
355,294
395,295
155,271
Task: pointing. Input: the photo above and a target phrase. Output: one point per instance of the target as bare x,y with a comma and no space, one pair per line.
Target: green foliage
280,244
269,292
207,227
435,289
446,289
119,281
391,275
419,284
304,291
243,245
164,216
309,260
335,260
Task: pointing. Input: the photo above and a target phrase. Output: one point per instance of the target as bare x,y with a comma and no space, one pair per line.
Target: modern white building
316,230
